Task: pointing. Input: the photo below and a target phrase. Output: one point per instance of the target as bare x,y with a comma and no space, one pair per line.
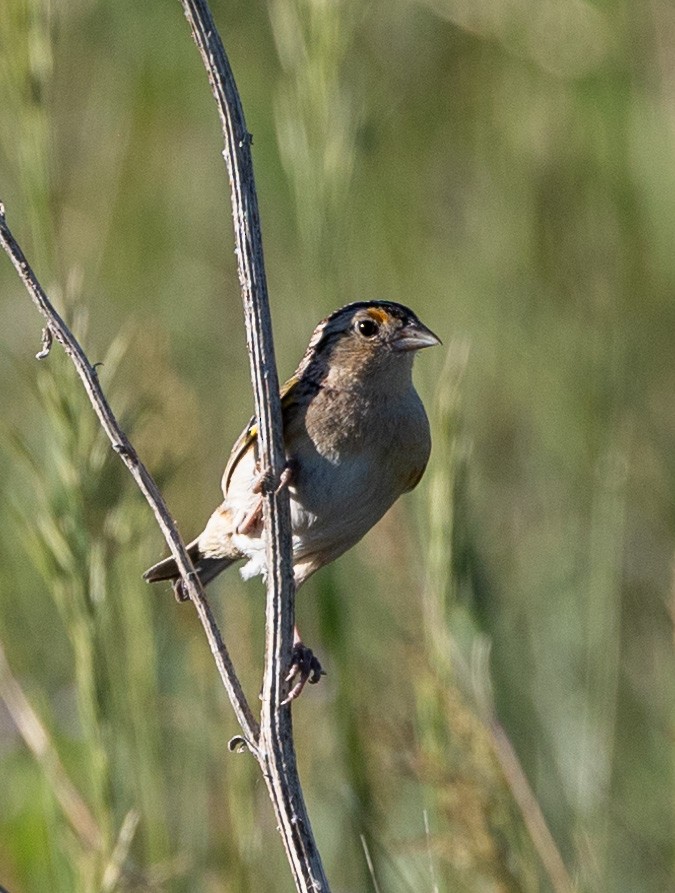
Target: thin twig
277,752
369,863
141,475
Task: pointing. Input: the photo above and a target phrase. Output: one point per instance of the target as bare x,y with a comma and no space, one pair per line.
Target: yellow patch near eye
378,314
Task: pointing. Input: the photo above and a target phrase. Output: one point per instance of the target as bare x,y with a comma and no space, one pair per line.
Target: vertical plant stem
276,751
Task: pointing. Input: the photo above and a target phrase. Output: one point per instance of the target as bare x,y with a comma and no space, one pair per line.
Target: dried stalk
139,472
276,752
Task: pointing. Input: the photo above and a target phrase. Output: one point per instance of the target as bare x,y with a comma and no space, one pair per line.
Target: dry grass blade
115,866
39,742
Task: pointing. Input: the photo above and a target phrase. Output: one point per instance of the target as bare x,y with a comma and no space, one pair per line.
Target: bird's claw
263,483
252,522
305,667
264,480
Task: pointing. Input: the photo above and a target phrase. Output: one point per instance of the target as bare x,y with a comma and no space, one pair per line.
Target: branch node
47,340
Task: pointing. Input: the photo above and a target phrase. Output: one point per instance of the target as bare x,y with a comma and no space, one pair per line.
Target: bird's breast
344,484
349,465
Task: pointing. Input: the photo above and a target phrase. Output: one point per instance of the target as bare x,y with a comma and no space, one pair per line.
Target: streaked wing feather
249,436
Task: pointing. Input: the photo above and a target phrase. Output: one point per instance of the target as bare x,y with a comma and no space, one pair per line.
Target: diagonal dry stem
141,475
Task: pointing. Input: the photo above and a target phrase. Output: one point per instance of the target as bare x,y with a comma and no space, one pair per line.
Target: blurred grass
505,169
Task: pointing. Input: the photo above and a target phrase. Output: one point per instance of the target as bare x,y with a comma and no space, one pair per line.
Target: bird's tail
207,568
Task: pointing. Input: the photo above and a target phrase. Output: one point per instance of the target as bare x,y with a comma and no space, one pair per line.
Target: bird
356,437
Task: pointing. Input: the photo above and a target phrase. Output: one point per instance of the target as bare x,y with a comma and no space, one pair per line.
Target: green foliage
503,168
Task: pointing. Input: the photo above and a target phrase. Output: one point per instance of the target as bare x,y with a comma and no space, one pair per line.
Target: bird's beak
415,336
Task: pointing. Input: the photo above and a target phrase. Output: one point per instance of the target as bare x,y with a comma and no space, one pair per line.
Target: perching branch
276,752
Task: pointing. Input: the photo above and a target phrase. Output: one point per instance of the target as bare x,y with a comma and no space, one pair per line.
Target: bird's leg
304,666
253,519
261,482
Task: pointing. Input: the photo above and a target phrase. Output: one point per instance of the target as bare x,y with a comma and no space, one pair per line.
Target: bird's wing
248,438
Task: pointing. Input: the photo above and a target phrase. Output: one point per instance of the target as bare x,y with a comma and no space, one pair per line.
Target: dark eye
367,327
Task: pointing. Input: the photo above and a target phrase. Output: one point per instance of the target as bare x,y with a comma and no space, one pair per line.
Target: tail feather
207,568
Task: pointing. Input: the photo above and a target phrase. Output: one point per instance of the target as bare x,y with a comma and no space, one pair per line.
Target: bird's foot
262,483
286,476
252,522
305,667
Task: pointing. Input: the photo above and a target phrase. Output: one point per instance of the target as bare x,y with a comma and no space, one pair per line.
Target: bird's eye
367,327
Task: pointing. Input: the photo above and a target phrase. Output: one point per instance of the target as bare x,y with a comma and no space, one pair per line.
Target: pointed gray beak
415,336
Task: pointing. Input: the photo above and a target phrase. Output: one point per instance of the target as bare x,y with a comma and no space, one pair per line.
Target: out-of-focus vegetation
508,170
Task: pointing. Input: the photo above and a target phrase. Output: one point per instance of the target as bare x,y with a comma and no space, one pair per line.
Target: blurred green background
507,169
